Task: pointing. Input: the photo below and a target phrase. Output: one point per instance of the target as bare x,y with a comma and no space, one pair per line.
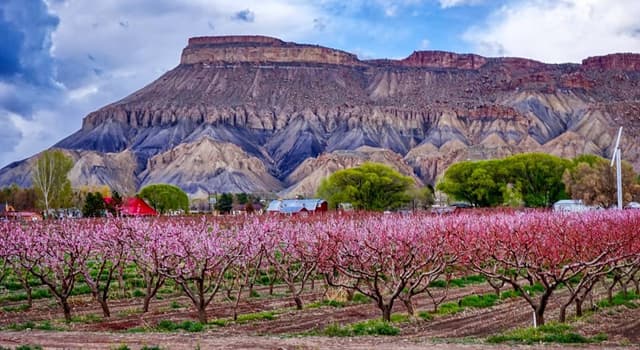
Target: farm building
296,206
133,206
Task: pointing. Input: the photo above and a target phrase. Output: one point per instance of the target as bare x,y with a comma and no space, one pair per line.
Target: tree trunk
579,307
563,313
236,303
27,288
121,285
66,308
296,295
408,303
146,302
386,311
105,307
202,314
539,317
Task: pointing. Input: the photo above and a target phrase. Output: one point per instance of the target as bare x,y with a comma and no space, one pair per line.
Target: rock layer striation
254,113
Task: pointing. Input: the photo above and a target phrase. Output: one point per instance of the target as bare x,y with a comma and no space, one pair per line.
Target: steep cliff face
285,107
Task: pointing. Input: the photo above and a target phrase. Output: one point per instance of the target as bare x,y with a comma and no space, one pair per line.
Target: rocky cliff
253,113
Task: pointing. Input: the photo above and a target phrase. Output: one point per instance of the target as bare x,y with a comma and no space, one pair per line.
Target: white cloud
559,31
453,3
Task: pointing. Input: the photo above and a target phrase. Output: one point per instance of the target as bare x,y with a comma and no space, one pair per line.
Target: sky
62,59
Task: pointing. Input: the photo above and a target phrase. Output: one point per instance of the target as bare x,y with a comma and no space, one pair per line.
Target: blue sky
61,59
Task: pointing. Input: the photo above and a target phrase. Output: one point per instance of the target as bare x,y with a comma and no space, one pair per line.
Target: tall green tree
94,205
480,183
538,176
534,178
371,186
165,197
50,179
224,204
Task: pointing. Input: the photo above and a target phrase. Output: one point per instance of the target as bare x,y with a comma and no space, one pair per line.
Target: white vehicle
571,205
633,205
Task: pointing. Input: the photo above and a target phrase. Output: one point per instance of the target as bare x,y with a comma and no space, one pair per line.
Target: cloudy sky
61,59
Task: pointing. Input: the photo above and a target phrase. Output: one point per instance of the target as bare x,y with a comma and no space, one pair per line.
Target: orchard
389,260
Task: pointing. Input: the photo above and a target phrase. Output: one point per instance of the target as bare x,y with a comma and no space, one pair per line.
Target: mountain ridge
282,103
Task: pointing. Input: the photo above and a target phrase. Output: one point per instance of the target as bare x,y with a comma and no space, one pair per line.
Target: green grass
220,322
359,298
245,318
151,347
549,333
38,293
370,327
176,305
122,347
88,318
18,308
189,326
44,326
425,315
29,347
137,293
621,299
325,302
81,289
470,301
256,316
459,282
479,301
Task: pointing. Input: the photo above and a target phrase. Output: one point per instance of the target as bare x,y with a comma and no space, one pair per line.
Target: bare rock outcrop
306,179
617,61
254,113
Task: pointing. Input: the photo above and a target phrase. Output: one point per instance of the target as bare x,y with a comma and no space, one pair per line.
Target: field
301,291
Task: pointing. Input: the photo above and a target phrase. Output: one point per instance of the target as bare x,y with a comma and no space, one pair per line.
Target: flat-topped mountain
257,114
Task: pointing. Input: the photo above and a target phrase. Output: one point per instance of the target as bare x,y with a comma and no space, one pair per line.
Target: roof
295,205
569,202
135,206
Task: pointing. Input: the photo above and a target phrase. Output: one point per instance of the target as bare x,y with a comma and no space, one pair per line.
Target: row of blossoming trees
389,258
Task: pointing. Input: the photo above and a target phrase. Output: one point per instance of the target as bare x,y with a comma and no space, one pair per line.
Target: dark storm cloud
26,28
25,62
245,15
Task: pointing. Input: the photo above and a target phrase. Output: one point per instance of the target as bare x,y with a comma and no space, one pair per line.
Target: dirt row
621,324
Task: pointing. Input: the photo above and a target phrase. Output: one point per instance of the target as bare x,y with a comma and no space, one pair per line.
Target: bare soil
464,330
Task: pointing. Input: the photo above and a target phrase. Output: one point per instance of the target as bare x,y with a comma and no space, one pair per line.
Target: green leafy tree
242,198
480,183
370,186
50,179
421,197
538,176
224,204
533,178
165,197
94,205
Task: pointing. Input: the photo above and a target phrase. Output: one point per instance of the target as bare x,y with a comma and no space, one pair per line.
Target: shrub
189,326
548,333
